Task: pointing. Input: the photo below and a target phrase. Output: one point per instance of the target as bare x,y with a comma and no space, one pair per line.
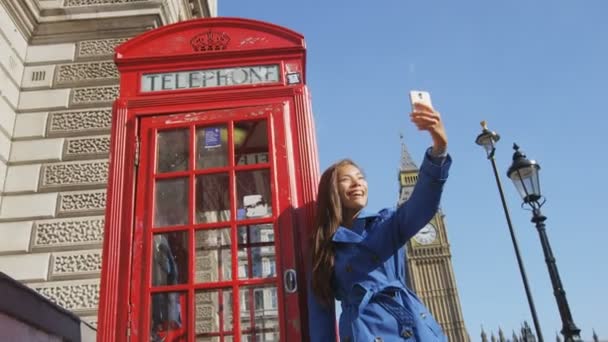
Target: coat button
345,339
375,258
378,339
406,333
349,268
423,315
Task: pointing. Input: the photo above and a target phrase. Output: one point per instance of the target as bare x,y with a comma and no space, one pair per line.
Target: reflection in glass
259,313
168,317
213,314
214,339
212,198
172,150
253,147
171,202
211,147
267,337
256,251
170,259
253,194
213,261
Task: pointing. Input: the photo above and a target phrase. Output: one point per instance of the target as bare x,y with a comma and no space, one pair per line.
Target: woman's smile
352,187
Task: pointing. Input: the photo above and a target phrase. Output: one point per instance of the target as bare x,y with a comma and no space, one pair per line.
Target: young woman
359,259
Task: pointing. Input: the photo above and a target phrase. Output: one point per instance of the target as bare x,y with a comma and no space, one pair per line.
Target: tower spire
501,335
526,333
407,163
515,338
595,338
484,337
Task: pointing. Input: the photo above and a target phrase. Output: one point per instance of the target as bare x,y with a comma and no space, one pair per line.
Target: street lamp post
524,174
488,139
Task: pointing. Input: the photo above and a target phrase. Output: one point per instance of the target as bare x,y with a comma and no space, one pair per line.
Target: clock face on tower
426,235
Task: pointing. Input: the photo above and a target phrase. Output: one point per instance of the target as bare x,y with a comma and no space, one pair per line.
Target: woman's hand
427,119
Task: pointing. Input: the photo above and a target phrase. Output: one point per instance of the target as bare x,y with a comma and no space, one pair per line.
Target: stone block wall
57,85
56,170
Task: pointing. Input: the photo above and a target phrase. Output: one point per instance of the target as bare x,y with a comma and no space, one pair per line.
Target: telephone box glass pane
214,339
253,194
171,202
170,259
213,258
251,142
256,255
259,313
172,150
212,198
213,315
168,317
212,147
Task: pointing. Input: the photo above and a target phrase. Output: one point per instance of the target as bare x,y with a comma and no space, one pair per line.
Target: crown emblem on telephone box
210,41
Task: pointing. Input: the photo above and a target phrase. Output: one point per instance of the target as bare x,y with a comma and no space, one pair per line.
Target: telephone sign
210,78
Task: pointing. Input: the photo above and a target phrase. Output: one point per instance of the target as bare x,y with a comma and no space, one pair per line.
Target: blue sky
535,70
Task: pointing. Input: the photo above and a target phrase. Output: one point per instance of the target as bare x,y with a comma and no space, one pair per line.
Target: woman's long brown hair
328,217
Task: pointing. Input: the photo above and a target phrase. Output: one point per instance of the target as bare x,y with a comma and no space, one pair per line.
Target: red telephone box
213,172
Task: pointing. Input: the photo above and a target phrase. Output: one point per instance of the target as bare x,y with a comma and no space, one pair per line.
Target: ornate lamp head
487,139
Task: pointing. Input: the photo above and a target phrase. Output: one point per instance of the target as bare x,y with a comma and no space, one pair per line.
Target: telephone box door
213,245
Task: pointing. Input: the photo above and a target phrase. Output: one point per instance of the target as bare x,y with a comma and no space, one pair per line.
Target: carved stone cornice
81,3
201,8
62,31
25,14
94,19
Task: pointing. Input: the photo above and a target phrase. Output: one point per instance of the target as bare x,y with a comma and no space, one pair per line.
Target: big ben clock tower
430,271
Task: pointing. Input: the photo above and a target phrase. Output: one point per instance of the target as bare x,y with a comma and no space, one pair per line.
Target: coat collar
348,235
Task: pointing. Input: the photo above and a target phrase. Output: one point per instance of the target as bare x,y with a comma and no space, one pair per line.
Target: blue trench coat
370,271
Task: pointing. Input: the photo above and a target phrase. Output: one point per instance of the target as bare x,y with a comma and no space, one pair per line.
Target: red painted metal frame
149,127
167,49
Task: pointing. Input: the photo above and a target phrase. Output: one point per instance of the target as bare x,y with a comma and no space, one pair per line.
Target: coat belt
360,296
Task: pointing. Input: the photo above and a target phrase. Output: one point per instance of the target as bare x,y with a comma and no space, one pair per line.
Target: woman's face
352,187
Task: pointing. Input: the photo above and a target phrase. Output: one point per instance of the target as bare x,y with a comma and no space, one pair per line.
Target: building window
273,298
259,299
245,303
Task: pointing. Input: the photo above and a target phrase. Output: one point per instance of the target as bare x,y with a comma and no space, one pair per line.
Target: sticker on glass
213,137
255,206
293,78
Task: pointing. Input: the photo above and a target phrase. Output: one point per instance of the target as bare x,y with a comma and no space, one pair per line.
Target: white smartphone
419,96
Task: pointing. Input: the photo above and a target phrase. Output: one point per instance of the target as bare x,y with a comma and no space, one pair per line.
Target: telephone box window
212,146
259,320
171,202
213,315
256,252
253,194
212,198
170,259
168,317
172,151
251,142
213,259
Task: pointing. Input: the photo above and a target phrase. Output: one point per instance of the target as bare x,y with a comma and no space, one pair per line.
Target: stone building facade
57,84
